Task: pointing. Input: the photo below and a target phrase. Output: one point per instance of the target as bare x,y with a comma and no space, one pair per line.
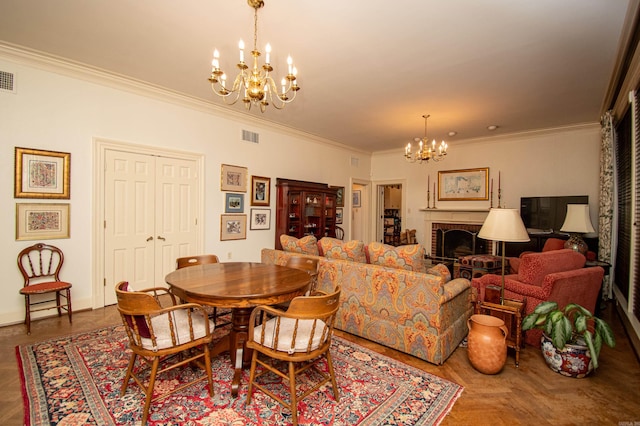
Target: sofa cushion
333,248
409,257
440,270
304,245
535,266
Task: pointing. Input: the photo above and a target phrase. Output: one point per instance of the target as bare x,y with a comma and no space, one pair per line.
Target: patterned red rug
76,381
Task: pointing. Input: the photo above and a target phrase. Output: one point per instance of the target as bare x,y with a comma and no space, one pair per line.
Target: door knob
161,238
149,239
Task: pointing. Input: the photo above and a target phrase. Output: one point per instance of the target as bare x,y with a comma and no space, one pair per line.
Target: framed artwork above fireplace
463,185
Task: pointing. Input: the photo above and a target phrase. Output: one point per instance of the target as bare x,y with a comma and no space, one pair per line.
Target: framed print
234,203
42,221
339,216
260,187
233,227
356,198
260,219
463,185
340,196
234,178
42,174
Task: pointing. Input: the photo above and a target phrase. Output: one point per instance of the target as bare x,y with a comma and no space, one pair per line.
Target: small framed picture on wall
233,227
234,203
260,188
260,219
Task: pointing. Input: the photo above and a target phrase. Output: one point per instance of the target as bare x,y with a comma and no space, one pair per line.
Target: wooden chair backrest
183,262
304,264
40,262
318,305
135,302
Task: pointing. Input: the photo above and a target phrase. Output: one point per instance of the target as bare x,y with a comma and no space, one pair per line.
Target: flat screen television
546,214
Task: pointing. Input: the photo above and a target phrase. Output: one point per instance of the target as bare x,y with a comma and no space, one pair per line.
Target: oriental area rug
75,380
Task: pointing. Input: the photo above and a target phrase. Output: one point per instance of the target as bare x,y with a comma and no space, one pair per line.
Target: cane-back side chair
40,265
157,335
300,336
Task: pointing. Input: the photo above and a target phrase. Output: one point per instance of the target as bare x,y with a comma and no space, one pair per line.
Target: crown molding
59,65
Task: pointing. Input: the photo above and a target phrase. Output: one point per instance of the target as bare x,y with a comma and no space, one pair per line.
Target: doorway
148,210
389,220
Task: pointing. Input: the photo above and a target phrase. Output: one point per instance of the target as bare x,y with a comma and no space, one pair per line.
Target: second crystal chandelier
254,86
426,151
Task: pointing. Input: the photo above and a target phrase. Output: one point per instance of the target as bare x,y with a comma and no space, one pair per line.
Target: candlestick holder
499,197
434,201
428,199
491,199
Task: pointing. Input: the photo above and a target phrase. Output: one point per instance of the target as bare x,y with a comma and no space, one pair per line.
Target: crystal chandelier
426,151
255,86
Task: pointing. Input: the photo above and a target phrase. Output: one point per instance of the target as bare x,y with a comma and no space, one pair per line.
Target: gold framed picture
233,227
234,178
260,190
39,221
42,174
463,185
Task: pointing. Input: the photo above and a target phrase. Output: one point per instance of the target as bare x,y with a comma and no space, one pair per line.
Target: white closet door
176,217
150,218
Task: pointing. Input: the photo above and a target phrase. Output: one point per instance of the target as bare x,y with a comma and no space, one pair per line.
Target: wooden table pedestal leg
239,354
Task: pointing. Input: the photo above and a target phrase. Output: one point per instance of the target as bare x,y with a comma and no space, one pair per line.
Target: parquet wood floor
529,395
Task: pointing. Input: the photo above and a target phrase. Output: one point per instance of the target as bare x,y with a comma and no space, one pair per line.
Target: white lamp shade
577,219
504,225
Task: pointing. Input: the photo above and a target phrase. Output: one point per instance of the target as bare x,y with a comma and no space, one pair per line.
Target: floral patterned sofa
388,295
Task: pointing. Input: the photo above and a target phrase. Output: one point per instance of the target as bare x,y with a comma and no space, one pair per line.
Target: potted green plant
572,337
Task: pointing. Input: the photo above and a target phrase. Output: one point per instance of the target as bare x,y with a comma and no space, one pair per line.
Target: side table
477,265
511,313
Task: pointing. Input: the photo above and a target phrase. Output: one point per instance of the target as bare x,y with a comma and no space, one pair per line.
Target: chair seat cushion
285,336
45,287
180,318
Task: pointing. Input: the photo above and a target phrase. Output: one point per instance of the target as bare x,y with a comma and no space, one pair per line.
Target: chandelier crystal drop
426,151
254,86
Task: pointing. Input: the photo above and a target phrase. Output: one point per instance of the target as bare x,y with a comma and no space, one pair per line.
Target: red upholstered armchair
557,275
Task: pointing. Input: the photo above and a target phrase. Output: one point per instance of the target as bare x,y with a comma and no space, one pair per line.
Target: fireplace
458,230
450,241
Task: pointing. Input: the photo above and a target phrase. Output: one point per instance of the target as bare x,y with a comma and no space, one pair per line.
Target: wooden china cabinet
305,208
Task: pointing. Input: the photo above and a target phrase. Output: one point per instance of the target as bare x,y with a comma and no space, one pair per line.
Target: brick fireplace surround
438,220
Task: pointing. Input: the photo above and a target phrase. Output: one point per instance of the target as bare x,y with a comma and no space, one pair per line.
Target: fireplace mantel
466,216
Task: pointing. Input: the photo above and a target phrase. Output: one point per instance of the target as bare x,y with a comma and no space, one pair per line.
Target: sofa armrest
453,288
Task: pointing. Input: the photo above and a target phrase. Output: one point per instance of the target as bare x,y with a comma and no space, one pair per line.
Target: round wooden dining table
240,286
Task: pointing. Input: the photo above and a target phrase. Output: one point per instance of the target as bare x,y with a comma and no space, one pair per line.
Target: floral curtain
605,218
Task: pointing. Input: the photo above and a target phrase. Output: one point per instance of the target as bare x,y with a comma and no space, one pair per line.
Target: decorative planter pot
570,361
487,343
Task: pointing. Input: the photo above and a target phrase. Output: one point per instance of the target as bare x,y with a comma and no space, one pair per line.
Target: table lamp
577,222
504,225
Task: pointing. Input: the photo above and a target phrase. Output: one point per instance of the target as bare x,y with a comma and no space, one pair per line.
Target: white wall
553,162
57,110
63,110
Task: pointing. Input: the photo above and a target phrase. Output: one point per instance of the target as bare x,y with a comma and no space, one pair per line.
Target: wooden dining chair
40,266
308,265
156,333
300,336
201,259
183,262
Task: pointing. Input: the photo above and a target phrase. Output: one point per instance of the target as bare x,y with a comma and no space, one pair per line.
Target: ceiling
368,70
